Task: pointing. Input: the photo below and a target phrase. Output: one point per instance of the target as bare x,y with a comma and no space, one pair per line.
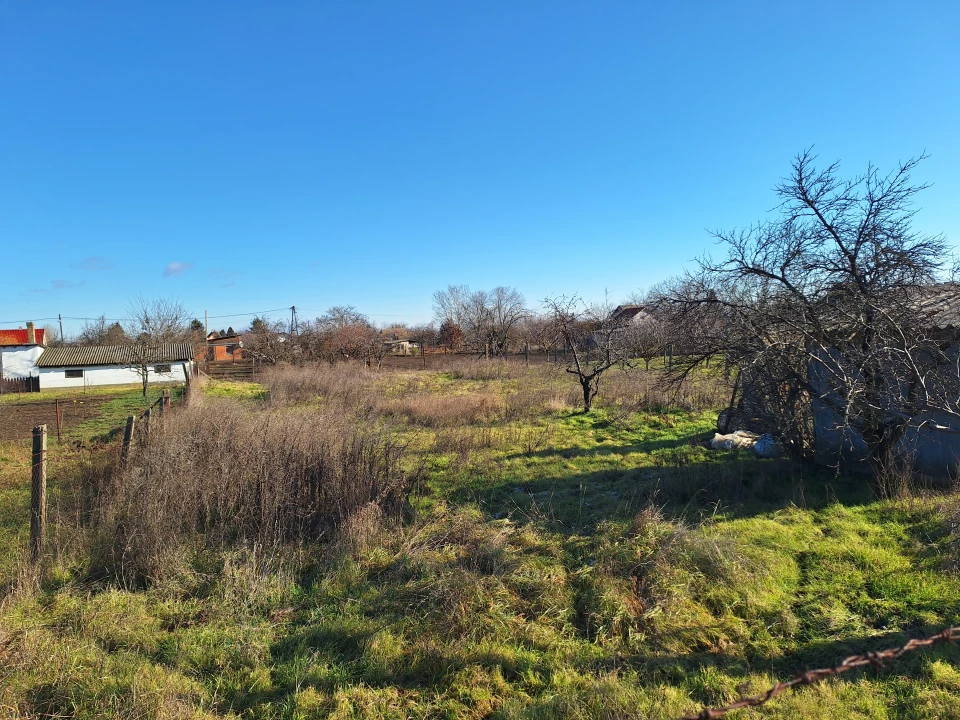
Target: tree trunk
586,384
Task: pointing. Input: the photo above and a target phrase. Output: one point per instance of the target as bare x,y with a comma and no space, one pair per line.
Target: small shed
932,437
398,341
223,348
95,365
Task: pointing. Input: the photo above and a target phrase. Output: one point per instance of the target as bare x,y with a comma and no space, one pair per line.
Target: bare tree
269,342
596,341
540,332
151,326
828,315
100,331
507,309
51,336
160,320
489,320
648,337
344,333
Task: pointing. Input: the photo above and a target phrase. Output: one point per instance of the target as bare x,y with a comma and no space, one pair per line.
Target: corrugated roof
19,337
939,305
114,354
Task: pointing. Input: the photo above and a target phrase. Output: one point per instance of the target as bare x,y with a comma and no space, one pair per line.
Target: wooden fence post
188,383
127,437
165,405
38,493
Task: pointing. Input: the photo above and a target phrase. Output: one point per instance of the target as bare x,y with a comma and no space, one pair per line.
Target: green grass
113,413
234,389
77,393
564,566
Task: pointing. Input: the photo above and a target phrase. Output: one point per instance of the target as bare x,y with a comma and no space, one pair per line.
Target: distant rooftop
19,337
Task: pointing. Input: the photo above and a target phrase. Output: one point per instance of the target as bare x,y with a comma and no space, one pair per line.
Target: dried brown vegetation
218,475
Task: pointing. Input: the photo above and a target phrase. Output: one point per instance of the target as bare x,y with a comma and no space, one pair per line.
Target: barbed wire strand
875,659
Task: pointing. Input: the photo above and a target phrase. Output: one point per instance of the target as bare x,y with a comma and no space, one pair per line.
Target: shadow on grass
433,669
340,655
683,669
733,484
645,446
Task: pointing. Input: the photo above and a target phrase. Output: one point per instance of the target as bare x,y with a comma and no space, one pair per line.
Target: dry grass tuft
217,475
445,410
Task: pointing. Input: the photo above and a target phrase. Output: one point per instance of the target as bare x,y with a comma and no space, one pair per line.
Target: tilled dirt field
17,420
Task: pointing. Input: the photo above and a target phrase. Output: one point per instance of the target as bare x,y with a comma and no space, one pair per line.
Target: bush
217,475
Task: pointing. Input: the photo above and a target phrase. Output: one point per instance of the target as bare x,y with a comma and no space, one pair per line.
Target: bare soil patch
17,420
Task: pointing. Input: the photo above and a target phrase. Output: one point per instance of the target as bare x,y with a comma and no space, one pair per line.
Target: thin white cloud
176,268
94,263
65,284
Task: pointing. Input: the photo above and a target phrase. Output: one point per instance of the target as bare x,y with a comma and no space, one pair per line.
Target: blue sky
243,156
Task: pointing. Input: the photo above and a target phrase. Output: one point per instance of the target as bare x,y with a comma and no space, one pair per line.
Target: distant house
624,313
397,341
220,348
113,365
19,351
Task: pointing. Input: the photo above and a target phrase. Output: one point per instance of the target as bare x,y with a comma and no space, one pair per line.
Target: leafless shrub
641,390
531,438
894,477
458,441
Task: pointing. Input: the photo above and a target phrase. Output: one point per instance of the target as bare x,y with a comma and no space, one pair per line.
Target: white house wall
19,361
107,375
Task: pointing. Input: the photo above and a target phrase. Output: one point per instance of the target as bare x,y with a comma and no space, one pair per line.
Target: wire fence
66,417
810,677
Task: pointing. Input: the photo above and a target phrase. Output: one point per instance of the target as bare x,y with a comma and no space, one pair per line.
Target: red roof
19,337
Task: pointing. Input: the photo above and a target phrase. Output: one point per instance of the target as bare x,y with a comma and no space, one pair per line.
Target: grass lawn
553,565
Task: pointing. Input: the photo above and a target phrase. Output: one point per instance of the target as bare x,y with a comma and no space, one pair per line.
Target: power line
212,317
258,312
11,322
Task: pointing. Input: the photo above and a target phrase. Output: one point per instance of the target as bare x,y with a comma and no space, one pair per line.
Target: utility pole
293,320
206,324
60,318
